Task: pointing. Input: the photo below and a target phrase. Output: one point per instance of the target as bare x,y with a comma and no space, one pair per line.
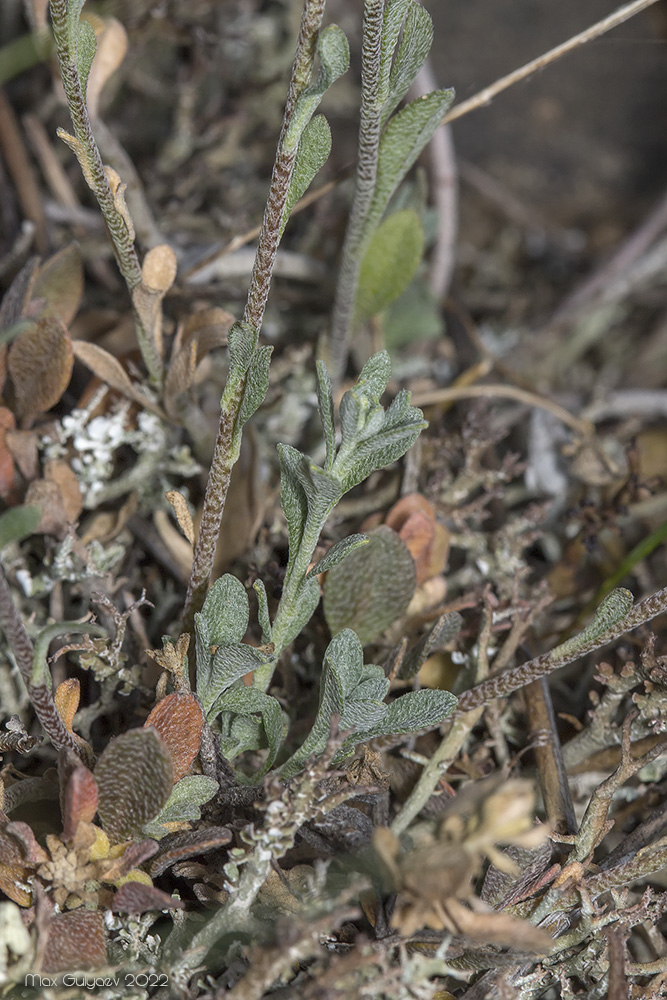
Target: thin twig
436,397
485,96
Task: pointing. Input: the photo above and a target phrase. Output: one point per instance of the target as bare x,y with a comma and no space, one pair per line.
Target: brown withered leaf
7,480
40,365
59,472
109,370
66,699
136,897
179,721
111,50
58,286
135,776
413,517
47,496
486,926
23,446
74,940
178,547
180,377
79,800
183,515
133,856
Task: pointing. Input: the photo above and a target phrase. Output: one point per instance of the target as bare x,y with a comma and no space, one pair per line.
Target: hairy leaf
40,366
184,803
19,522
403,140
414,47
179,721
334,55
135,777
390,263
226,611
86,47
372,588
229,664
246,701
337,553
312,154
326,409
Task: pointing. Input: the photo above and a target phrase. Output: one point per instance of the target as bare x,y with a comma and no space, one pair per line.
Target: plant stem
93,168
502,685
369,143
40,694
260,283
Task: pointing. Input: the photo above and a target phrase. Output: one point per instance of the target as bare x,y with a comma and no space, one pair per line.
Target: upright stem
258,293
91,162
369,143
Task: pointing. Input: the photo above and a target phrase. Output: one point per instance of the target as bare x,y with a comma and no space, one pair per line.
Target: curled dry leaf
179,548
111,50
40,366
118,191
135,776
109,370
413,517
66,699
179,721
183,515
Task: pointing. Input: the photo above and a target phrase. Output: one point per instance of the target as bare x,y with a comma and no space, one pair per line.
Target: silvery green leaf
184,804
337,553
408,714
445,629
416,41
402,141
203,654
334,55
296,617
372,588
242,732
229,664
374,376
241,344
263,611
326,408
226,611
246,701
257,383
394,15
321,489
390,263
86,47
74,8
292,497
379,451
312,154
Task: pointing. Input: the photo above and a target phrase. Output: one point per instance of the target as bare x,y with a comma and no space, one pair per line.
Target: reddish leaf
410,504
136,897
75,940
40,366
7,485
135,776
30,849
80,800
179,721
188,844
133,856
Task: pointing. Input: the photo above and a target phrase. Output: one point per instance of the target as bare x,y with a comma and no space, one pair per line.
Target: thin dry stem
486,95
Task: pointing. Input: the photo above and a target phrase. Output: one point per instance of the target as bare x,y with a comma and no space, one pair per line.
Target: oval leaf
134,777
179,721
390,263
40,366
371,588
